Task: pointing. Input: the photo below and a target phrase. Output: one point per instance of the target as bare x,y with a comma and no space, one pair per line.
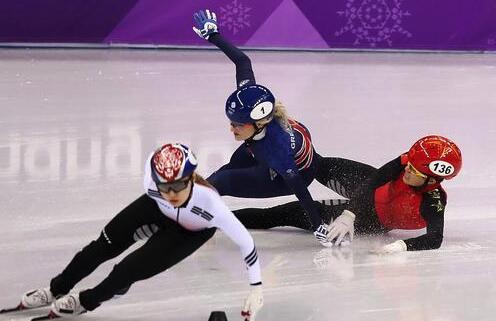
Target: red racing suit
400,206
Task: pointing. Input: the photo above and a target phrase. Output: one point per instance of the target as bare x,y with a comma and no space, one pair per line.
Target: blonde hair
198,179
280,114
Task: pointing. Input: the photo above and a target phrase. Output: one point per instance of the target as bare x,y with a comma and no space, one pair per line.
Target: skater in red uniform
405,193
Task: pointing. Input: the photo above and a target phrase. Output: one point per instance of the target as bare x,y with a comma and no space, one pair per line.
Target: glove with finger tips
205,24
342,227
253,303
395,247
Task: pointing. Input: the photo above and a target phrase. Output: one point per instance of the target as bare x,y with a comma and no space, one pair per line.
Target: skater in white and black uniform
178,214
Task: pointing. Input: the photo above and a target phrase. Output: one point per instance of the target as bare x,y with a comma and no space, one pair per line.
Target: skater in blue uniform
277,157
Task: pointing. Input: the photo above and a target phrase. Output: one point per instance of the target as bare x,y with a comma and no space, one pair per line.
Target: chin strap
260,128
258,134
426,187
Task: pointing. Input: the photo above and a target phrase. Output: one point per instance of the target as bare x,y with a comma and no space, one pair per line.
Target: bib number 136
441,168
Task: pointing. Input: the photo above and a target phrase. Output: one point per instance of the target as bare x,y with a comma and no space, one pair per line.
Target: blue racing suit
277,161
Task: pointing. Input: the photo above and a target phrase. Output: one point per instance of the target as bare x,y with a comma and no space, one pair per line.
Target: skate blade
19,307
49,316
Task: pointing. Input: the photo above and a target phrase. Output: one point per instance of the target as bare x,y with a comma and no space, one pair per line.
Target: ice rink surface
77,125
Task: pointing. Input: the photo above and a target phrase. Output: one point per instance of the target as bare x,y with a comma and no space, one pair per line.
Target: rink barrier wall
411,25
92,46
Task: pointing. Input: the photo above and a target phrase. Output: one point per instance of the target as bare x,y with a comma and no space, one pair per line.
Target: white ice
77,125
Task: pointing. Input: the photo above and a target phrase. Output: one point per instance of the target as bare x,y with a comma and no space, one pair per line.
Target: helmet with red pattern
436,156
171,162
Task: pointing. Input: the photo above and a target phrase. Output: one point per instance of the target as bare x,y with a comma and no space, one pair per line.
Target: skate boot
68,305
37,298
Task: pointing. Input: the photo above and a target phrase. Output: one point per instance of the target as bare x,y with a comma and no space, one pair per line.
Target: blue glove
321,235
206,24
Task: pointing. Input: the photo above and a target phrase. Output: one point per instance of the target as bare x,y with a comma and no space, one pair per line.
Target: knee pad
145,232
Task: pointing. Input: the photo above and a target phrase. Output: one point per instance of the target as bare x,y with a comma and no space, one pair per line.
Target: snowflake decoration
373,21
235,16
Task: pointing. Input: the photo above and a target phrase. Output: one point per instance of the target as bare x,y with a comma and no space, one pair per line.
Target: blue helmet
250,104
171,162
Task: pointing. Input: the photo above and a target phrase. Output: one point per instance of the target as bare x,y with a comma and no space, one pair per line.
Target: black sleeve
294,181
244,71
289,214
386,173
432,210
381,176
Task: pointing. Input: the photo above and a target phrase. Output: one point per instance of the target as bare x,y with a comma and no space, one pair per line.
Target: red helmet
436,156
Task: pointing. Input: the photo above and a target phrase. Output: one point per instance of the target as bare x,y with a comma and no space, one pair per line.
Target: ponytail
198,179
280,114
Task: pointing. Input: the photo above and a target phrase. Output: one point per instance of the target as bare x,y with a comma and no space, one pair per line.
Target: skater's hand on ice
395,247
341,227
321,235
